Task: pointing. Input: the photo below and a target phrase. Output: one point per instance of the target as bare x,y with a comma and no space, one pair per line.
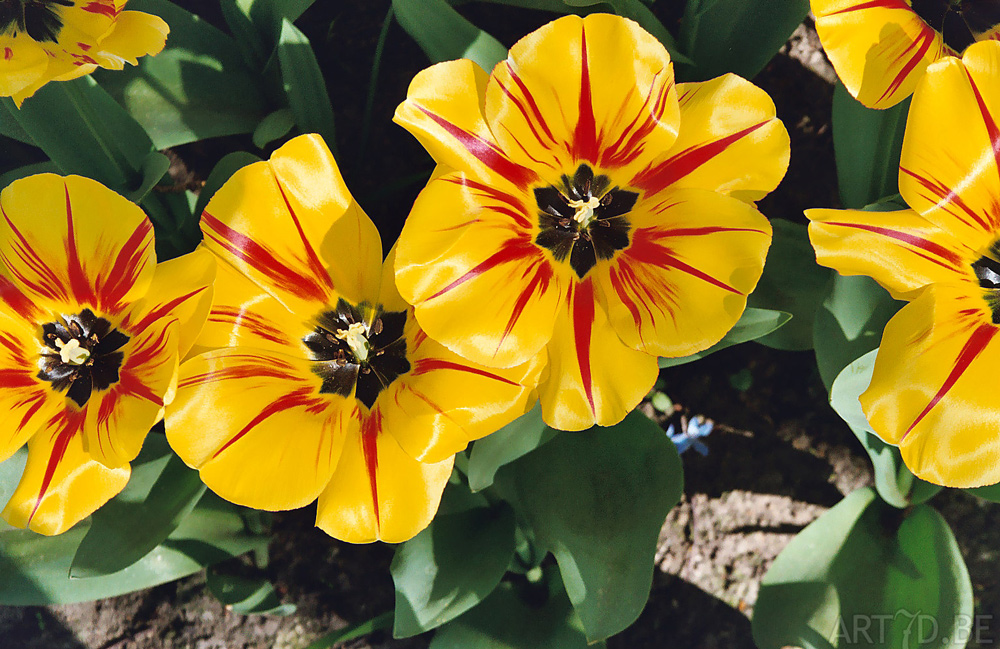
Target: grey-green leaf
444,35
245,595
753,324
304,85
516,439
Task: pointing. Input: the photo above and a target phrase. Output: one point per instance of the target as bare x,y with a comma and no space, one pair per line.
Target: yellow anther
585,210
72,353
354,336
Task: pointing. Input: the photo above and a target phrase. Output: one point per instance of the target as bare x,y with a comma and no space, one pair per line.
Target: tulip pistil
81,353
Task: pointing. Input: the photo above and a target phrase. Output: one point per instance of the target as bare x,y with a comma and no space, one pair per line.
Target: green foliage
273,127
257,24
753,324
445,35
451,566
303,84
603,530
864,561
160,494
793,283
738,36
516,439
535,615
352,631
866,144
198,87
222,172
247,596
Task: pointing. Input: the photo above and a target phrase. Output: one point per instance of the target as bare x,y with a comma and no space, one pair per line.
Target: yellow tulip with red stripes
91,331
931,393
315,380
586,210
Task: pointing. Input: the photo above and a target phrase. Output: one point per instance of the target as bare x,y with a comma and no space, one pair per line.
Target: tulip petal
378,492
879,48
731,142
478,282
949,171
598,89
118,418
22,64
901,250
684,280
134,34
256,426
61,484
593,377
267,220
96,248
444,111
932,389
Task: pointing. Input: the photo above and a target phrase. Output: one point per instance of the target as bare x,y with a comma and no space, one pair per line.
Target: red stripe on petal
425,365
510,250
486,152
298,398
103,8
655,179
252,321
991,125
875,4
532,119
532,104
623,152
37,401
52,286
976,343
921,44
163,310
315,266
645,251
261,259
583,322
72,421
16,378
514,207
370,427
16,300
81,287
250,367
539,282
585,137
128,266
936,249
943,196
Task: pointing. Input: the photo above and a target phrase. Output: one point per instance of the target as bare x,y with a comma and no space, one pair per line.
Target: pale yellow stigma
355,338
585,210
72,353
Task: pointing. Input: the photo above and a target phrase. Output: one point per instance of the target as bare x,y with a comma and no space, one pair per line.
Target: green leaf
154,168
603,529
274,126
516,439
161,493
304,85
504,620
445,35
246,596
450,567
738,36
991,492
222,172
864,567
866,144
753,324
352,631
27,170
257,24
198,87
34,569
10,473
792,282
849,323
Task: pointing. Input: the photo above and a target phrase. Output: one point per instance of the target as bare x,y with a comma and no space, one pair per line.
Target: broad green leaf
274,126
27,170
866,144
596,500
304,85
161,493
352,631
792,282
865,567
445,35
153,169
257,24
753,324
738,36
450,567
198,87
10,474
10,127
222,172
504,620
246,596
34,569
516,439
991,492
849,323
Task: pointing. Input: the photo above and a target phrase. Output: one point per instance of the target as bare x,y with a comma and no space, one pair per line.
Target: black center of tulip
987,271
960,22
583,219
82,355
360,348
40,19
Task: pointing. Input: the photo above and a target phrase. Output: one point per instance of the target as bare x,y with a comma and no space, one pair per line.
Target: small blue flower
696,427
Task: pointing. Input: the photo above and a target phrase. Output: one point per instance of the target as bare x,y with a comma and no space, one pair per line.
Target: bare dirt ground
778,458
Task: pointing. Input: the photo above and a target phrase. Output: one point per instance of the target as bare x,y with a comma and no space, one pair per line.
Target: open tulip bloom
46,40
586,211
91,329
881,48
932,389
322,384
